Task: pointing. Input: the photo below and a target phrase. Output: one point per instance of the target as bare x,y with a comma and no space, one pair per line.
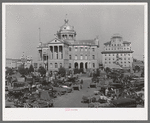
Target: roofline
105,52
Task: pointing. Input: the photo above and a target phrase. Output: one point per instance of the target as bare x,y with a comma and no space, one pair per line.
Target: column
78,65
53,53
58,53
63,48
83,65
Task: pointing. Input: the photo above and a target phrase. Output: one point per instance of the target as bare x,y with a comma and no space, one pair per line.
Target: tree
22,70
9,71
26,71
31,69
107,69
62,71
142,74
137,68
42,70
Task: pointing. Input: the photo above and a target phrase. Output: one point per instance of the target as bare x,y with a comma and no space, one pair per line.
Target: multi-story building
64,50
15,63
117,53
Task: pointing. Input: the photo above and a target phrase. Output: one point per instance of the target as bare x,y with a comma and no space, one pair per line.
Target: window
124,62
69,65
113,54
113,59
115,44
60,64
128,61
94,49
81,57
105,62
51,65
129,54
93,65
109,62
76,48
69,48
81,48
85,56
85,48
109,59
69,56
105,55
56,65
124,58
93,56
105,59
128,58
75,56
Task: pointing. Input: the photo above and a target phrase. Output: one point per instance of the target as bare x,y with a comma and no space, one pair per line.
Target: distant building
15,63
117,53
64,50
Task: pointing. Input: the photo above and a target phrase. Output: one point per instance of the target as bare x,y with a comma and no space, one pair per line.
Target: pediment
56,41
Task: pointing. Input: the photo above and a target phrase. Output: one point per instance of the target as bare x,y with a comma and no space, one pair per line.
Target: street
74,99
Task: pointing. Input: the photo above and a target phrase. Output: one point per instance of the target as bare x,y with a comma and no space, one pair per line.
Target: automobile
124,102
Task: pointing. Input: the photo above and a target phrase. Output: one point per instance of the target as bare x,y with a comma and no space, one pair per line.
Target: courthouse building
64,50
117,53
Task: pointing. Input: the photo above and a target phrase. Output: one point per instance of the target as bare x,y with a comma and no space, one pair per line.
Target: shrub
22,70
31,69
62,71
42,70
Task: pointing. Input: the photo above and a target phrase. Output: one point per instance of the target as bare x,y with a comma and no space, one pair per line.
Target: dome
66,27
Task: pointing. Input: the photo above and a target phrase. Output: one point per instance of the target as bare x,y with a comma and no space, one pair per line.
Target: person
106,91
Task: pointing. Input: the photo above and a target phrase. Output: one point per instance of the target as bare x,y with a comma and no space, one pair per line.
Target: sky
23,22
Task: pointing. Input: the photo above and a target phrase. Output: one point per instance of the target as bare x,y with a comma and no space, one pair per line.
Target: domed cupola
66,32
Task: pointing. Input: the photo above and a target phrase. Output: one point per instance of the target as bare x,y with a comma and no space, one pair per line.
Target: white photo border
70,114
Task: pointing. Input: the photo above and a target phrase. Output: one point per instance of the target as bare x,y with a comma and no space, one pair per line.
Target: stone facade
117,53
64,50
